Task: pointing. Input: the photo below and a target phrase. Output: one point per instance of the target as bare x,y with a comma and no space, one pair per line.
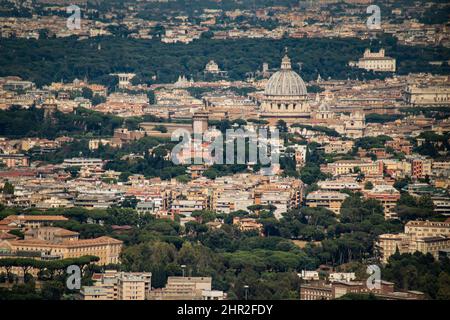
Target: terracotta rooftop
36,218
68,243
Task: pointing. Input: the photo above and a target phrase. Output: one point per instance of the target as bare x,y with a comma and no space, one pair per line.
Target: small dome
285,82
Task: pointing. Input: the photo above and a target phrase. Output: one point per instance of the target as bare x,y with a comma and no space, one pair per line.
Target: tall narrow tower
200,121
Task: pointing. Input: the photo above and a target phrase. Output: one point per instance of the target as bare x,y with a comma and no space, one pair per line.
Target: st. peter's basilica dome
285,82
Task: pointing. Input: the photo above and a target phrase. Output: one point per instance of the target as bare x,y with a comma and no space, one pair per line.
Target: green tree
52,290
368,185
8,188
444,286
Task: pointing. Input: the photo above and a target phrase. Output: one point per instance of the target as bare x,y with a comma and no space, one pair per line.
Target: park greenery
433,144
419,272
50,60
52,274
17,122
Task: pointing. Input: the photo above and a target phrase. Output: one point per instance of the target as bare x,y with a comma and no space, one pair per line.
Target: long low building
187,288
337,186
341,167
82,162
320,290
427,95
423,236
328,200
30,221
15,160
106,248
58,243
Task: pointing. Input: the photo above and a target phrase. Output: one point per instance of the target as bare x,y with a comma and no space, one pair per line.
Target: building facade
377,61
423,236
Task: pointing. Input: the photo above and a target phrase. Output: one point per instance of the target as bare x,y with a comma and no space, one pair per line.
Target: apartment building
123,135
15,160
227,201
284,194
94,144
441,205
388,196
13,85
187,288
114,285
421,168
309,275
186,207
82,162
96,200
147,207
326,199
339,147
338,185
400,145
196,171
397,168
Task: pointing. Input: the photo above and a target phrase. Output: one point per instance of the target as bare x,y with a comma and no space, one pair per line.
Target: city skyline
228,151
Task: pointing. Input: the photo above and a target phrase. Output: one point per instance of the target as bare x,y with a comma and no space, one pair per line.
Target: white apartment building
114,285
339,185
82,162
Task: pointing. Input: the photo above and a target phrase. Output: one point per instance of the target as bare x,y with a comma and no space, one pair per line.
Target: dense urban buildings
232,150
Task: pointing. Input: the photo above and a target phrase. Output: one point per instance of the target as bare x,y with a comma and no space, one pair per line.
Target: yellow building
247,224
328,200
61,244
422,236
420,229
351,166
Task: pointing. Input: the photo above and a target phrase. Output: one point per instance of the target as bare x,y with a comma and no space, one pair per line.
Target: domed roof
285,82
